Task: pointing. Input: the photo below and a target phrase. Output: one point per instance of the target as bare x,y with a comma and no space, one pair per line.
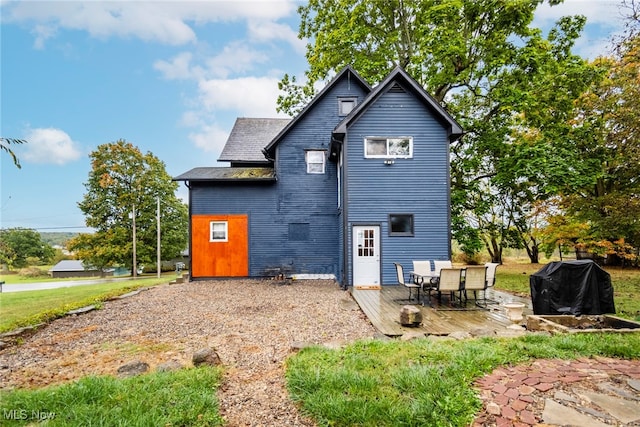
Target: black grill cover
571,287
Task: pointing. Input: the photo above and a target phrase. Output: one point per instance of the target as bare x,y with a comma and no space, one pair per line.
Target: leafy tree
4,146
607,135
123,186
19,245
490,69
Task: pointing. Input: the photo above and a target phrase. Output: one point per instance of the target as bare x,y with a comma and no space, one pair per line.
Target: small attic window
345,105
396,88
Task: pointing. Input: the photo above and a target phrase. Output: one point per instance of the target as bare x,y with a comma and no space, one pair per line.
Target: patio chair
439,265
423,274
410,286
475,280
491,273
450,281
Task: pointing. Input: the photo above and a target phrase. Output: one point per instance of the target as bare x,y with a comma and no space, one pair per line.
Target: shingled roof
227,174
249,137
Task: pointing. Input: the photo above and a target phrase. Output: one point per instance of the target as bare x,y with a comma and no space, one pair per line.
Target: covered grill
571,287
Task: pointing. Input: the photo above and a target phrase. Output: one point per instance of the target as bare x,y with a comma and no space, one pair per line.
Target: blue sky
169,77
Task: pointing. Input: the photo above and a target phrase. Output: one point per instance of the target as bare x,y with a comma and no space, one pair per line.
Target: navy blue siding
295,198
418,186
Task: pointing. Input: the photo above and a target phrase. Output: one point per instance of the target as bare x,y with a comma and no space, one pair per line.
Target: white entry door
366,255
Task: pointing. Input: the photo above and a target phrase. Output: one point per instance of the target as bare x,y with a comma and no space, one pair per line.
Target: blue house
359,179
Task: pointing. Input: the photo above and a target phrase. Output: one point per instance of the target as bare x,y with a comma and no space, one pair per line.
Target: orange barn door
213,253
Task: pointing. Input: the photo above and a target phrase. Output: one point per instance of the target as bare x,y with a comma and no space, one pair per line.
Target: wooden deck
382,307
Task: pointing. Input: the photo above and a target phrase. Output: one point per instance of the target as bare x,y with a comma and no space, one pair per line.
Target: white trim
226,231
310,160
388,141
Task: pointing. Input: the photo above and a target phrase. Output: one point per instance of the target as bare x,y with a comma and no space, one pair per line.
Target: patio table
420,279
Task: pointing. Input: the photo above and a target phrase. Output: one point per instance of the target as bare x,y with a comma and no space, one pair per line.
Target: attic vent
396,88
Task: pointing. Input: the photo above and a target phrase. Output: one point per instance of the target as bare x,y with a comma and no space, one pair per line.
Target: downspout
186,184
345,222
449,249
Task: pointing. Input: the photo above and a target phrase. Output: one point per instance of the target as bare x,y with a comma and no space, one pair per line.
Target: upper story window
218,231
315,161
383,147
345,105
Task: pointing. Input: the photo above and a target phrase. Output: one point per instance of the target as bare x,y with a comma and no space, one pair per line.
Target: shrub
32,272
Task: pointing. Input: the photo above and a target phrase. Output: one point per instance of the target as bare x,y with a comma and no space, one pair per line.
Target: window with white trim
218,231
315,161
388,147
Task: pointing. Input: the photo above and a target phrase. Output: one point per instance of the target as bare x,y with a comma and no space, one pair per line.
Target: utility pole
158,260
135,266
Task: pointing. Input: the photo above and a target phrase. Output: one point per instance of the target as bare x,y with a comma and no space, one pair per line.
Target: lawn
423,382
181,398
27,308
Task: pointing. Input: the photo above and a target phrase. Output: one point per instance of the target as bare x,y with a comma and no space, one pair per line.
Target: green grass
181,398
514,277
422,382
14,278
27,308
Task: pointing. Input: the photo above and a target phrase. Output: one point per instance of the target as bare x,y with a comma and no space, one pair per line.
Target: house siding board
312,198
296,197
417,186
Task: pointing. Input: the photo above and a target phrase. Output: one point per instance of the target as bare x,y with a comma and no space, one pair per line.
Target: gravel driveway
253,325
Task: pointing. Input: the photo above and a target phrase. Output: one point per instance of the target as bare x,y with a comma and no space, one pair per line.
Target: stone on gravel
460,335
483,332
408,336
81,310
132,369
206,356
171,365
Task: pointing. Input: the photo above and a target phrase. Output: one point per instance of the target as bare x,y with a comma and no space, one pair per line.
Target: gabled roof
399,75
346,72
70,265
248,137
227,174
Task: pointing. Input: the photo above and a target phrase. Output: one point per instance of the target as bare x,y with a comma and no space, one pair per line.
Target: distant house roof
69,265
248,138
347,71
227,174
407,83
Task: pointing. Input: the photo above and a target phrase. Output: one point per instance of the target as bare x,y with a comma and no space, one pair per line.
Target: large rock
410,315
171,365
132,369
206,356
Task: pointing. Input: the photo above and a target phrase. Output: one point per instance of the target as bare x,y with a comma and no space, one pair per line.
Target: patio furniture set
442,277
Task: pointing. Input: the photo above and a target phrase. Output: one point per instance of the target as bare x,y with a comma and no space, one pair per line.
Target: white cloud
250,96
166,22
210,138
604,12
262,31
604,19
179,68
50,146
236,57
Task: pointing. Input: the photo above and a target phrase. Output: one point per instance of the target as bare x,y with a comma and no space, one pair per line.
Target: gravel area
252,324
